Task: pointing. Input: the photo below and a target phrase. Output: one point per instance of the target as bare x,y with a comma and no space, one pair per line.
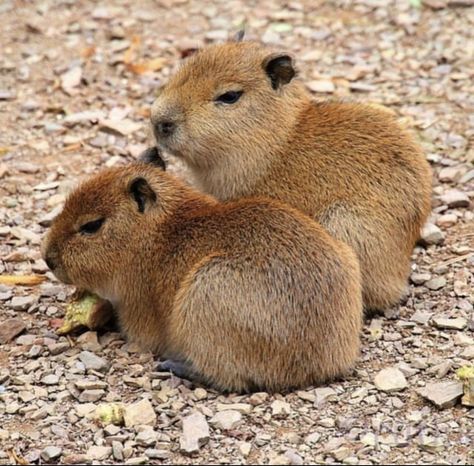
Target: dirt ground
76,82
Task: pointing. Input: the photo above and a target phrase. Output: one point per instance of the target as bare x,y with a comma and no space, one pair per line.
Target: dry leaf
145,67
88,52
4,150
17,458
127,56
72,147
22,280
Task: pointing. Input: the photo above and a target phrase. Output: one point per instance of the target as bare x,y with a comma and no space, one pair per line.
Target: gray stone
51,453
51,379
98,453
226,420
436,283
280,408
138,413
146,438
390,380
156,454
22,303
90,396
453,324
9,329
94,362
442,394
455,198
419,278
431,234
195,433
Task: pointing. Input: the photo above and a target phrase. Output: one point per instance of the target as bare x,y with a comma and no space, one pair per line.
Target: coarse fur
350,166
251,294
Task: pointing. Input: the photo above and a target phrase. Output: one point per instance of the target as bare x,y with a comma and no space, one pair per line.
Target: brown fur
348,165
253,294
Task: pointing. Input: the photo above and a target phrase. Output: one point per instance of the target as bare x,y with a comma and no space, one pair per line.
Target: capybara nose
165,128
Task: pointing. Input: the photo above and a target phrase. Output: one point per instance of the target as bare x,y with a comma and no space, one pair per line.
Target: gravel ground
76,83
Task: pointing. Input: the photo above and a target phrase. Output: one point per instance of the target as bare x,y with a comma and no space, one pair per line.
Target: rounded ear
279,68
238,36
142,193
152,156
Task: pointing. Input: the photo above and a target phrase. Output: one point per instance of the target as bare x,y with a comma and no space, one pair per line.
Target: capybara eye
91,227
229,97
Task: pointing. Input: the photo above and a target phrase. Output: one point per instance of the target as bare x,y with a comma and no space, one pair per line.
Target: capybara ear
238,36
152,156
279,68
142,193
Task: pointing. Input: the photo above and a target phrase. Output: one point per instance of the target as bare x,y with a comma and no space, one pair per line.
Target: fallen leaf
4,150
72,147
88,52
127,56
22,280
146,67
17,458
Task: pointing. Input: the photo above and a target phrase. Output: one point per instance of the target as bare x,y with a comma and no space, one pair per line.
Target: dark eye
91,227
229,97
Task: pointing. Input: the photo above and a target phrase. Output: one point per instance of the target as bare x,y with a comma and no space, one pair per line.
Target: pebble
141,412
280,408
9,329
419,278
90,396
421,317
50,453
195,433
155,454
94,362
50,379
431,234
436,283
455,199
147,437
98,453
390,380
453,324
442,394
22,303
137,460
242,408
226,420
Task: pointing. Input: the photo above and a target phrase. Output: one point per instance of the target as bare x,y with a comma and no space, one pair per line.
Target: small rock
98,453
137,460
200,394
195,433
9,329
280,408
141,412
431,234
327,422
421,317
50,379
436,283
419,278
94,362
325,86
121,127
242,408
451,174
245,448
390,380
431,444
147,437
117,450
71,78
155,454
442,394
454,199
226,420
22,303
91,396
312,439
454,324
51,453
58,348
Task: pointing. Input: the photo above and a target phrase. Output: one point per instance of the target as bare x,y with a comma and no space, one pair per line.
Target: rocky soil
76,82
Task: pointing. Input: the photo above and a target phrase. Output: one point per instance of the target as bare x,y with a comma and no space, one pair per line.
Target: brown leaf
145,67
127,56
88,52
17,458
22,280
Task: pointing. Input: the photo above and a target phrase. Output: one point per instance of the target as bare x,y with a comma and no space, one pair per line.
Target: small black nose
165,128
50,263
